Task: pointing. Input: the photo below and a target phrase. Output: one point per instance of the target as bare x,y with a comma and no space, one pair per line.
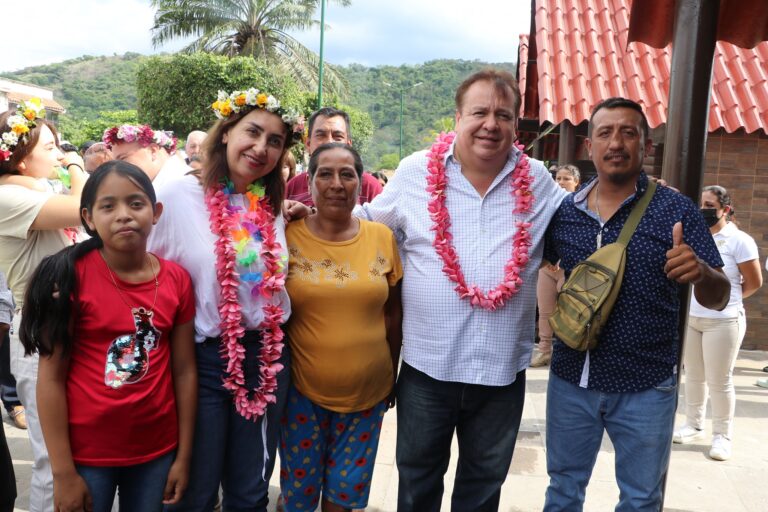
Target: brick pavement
696,484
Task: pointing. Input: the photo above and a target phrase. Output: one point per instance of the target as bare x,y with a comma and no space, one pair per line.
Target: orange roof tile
53,105
583,57
740,22
522,57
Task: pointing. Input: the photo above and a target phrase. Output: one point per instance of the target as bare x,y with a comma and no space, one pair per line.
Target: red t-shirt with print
120,395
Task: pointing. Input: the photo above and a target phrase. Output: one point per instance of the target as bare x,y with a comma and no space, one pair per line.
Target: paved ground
696,484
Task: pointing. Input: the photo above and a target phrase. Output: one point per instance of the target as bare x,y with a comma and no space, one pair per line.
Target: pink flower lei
250,403
437,183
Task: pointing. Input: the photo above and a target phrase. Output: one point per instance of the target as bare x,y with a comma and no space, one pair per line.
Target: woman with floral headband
33,224
228,232
153,151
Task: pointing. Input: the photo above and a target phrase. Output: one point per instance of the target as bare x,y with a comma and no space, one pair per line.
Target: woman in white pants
34,223
713,338
551,279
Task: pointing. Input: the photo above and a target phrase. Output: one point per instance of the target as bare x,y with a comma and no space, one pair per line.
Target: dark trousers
486,420
7,382
230,450
7,476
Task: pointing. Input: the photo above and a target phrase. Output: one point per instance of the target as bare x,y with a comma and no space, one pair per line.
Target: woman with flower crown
33,224
228,232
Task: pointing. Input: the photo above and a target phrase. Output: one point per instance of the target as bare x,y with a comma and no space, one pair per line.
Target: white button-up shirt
443,336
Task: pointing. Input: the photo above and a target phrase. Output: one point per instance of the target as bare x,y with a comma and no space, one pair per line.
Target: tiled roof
583,57
53,105
740,22
522,58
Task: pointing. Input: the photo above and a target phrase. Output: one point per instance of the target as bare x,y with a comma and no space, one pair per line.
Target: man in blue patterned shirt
627,385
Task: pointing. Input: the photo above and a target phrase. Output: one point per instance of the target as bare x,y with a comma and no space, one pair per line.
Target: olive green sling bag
584,304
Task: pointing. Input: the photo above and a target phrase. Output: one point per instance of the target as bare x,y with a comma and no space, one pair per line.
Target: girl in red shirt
114,328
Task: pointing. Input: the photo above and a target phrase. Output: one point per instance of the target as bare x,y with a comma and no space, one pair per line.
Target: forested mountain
89,85
424,106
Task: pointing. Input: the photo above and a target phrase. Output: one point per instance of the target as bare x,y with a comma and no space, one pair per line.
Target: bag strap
637,213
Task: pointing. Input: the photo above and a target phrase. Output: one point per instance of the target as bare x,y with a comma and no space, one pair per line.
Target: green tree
444,124
79,130
175,92
388,161
361,126
255,28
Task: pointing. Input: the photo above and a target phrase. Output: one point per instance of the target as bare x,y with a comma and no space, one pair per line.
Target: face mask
710,216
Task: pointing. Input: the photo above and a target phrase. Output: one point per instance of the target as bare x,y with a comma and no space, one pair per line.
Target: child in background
117,382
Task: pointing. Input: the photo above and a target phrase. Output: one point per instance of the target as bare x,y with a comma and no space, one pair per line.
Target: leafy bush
175,92
79,130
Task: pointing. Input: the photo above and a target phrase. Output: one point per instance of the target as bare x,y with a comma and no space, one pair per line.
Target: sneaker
687,434
763,383
18,417
540,359
721,448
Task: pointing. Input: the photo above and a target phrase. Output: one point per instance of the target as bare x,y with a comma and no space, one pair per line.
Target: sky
369,32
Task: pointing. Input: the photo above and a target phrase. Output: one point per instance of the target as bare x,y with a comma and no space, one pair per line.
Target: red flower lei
437,183
250,403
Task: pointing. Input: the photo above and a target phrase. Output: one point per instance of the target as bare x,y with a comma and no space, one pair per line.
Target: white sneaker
721,447
687,434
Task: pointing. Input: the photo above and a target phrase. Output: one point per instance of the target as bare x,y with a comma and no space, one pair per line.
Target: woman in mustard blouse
345,336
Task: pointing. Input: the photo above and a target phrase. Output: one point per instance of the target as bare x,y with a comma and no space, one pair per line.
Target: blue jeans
140,487
486,420
228,449
639,426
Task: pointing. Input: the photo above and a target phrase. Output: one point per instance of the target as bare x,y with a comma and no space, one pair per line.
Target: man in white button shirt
153,151
465,352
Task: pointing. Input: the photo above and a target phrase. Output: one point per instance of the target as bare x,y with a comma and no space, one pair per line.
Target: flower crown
238,101
143,134
20,123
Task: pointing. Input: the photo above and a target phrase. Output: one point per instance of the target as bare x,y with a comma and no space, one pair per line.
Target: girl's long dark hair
49,311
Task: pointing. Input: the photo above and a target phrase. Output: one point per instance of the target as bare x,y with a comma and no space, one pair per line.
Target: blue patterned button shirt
638,347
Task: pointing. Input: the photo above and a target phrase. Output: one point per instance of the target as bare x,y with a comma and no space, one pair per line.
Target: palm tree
256,28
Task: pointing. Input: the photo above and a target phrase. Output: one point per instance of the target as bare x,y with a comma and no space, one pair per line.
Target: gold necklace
120,290
597,201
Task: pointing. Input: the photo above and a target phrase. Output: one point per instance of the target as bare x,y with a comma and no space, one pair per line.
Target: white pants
25,371
711,348
548,285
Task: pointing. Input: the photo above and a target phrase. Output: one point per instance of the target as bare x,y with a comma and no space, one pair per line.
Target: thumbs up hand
682,265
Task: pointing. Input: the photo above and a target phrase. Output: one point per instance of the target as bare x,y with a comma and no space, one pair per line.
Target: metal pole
402,93
693,48
320,71
566,148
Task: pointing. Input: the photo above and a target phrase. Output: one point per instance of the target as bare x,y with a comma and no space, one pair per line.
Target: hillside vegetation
89,85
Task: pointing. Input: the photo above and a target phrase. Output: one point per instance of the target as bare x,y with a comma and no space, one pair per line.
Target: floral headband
20,124
238,101
143,134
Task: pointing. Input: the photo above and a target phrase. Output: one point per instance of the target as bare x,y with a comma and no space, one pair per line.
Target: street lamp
320,70
402,94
